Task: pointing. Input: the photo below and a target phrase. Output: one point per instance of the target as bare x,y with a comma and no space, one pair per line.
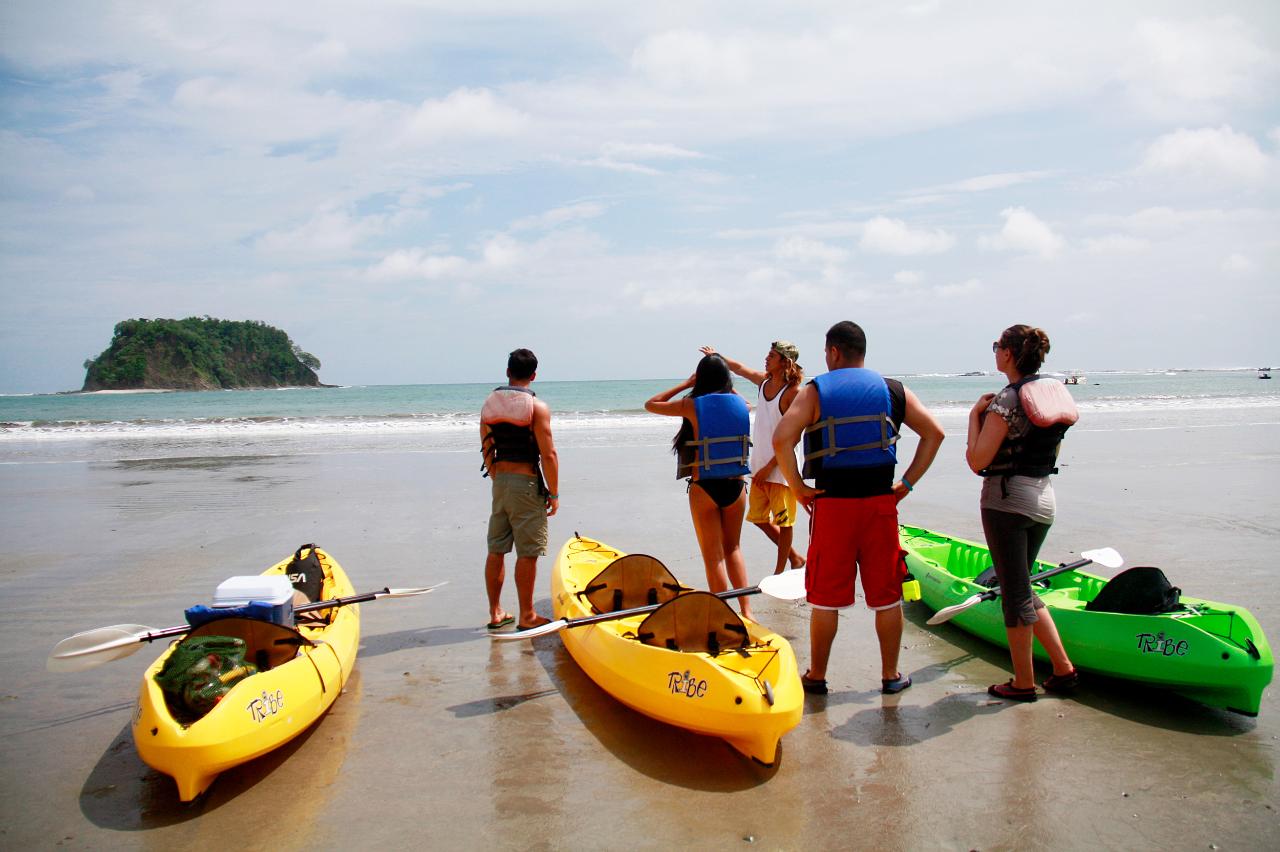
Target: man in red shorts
851,418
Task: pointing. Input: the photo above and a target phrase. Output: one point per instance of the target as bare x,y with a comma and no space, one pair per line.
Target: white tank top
768,413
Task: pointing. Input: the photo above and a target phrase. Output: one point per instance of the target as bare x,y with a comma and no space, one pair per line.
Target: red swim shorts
848,533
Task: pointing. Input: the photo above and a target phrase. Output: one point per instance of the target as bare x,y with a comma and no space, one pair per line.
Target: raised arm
662,403
756,377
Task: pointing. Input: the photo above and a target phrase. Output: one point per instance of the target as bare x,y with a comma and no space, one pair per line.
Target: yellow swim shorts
771,503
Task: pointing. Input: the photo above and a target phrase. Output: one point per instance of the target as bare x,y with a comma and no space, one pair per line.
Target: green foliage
200,352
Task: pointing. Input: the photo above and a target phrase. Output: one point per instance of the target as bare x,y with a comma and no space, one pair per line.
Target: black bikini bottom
723,492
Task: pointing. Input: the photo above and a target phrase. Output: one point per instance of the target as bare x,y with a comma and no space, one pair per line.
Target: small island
199,353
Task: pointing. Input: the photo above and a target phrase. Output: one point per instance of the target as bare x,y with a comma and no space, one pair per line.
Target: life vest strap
707,462
888,437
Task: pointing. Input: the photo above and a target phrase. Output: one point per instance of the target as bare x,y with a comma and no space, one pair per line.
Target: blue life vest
723,446
855,426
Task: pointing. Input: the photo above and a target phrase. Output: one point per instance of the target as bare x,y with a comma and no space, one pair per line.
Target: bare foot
537,622
796,566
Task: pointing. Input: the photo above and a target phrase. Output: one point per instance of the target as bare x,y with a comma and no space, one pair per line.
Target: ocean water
444,418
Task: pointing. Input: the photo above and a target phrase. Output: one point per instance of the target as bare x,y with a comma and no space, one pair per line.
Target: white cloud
908,277
1238,264
981,183
893,236
804,250
968,287
464,113
656,298
79,193
415,263
622,156
1023,231
559,216
647,151
327,234
1186,68
415,195
1210,153
1115,244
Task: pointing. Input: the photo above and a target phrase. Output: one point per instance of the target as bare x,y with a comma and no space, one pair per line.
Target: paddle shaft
640,610
949,612
994,593
308,607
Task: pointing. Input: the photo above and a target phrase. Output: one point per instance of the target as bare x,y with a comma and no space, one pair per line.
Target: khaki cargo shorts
519,516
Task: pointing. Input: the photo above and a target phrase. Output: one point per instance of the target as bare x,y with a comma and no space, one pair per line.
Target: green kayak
1210,652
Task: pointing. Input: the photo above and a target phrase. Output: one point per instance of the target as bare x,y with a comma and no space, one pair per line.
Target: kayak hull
1212,653
260,713
748,701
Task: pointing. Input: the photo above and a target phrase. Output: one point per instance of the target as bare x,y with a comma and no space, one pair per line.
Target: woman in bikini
712,449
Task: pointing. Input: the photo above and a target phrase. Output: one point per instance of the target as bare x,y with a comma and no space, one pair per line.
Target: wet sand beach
446,740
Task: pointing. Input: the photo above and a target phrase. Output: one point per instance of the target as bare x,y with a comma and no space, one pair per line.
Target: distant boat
1074,378
1264,372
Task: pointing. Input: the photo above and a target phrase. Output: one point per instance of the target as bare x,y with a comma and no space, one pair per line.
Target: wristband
553,496
907,483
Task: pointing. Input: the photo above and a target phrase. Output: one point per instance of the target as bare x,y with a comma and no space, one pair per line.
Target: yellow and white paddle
92,648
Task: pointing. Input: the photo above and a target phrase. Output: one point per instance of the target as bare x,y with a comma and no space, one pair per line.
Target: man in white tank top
771,504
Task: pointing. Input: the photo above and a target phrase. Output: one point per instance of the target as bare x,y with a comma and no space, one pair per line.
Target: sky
413,189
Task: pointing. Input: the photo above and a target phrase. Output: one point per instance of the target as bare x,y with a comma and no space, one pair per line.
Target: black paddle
92,648
788,586
1106,556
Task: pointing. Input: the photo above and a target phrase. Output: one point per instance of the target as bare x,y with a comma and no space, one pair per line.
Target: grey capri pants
1014,541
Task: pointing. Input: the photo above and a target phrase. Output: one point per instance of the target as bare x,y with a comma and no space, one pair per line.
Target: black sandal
1009,692
1062,683
813,685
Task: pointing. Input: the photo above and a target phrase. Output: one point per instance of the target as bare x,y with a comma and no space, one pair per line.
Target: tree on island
200,353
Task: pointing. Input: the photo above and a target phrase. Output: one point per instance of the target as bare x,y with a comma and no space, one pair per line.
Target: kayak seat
630,581
310,583
694,622
1142,590
267,644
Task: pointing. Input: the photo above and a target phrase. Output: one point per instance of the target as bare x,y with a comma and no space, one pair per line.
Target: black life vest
1033,454
508,412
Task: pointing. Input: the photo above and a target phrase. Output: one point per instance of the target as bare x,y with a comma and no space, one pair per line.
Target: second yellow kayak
749,697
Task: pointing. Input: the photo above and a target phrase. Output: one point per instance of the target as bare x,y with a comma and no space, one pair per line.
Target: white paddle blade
787,586
1106,556
948,612
532,632
95,647
408,593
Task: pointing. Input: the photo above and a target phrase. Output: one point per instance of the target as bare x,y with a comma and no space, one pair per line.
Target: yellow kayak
749,696
300,674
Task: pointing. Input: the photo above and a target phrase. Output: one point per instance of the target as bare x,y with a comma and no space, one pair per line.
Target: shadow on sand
124,794
1127,700
663,752
417,637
